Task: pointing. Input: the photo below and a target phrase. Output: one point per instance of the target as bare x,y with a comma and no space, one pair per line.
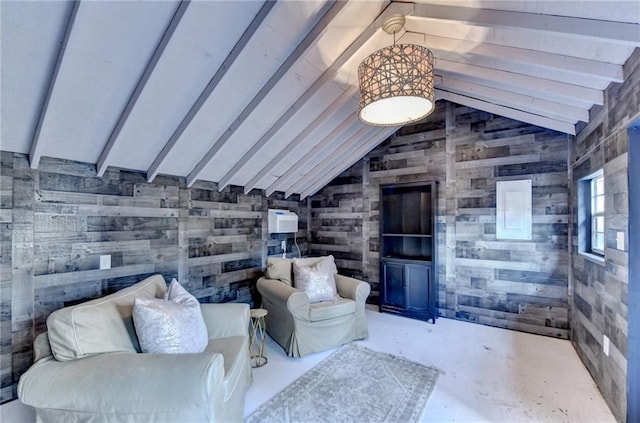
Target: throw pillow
317,279
280,269
171,325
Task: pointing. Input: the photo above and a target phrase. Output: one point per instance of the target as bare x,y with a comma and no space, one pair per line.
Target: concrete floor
489,374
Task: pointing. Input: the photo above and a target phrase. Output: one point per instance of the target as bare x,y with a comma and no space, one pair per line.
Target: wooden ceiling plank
300,138
346,148
346,162
103,161
508,112
616,32
282,120
35,152
319,152
329,11
523,84
153,170
527,103
602,71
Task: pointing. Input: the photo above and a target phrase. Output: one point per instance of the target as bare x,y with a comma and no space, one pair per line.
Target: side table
258,328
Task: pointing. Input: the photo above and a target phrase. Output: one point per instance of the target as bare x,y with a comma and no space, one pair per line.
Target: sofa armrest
353,289
226,319
285,297
138,383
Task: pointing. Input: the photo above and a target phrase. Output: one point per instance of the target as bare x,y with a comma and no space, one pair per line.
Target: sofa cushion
102,325
170,326
331,309
234,349
280,269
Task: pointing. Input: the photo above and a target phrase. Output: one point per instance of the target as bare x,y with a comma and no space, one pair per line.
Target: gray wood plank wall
58,221
512,284
599,290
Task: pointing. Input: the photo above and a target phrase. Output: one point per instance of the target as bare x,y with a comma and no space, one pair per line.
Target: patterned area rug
354,384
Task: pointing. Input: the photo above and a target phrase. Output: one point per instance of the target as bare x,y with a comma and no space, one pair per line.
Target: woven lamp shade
396,85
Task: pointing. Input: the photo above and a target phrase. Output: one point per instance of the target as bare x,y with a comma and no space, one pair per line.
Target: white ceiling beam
562,112
326,77
508,112
521,58
616,32
542,88
346,148
36,145
319,152
153,170
300,138
348,161
329,11
103,161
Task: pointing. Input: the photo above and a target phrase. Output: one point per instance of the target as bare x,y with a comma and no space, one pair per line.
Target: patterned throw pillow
171,325
316,278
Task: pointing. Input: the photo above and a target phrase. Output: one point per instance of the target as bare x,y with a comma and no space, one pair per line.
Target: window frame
587,226
594,213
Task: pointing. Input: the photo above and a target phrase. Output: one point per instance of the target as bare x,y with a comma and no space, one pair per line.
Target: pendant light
396,82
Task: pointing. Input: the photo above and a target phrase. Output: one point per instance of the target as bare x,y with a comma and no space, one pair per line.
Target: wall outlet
283,245
105,261
620,241
605,345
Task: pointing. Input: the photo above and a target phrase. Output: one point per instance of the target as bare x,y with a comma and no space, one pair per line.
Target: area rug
354,384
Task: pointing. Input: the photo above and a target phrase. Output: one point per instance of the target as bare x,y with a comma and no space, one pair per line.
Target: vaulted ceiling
264,94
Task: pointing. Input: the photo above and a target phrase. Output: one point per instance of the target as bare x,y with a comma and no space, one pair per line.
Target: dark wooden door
394,286
418,281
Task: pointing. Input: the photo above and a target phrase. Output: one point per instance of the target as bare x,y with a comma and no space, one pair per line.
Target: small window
597,214
591,215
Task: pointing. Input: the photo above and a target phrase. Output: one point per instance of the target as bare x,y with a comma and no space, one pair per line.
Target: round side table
258,328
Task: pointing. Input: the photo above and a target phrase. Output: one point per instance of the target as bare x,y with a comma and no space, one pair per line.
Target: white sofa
88,366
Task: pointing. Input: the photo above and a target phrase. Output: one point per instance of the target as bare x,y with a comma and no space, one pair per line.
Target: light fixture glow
396,83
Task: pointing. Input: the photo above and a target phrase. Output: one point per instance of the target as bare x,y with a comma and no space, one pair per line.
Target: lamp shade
396,85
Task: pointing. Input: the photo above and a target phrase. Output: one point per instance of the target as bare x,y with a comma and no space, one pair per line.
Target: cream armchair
301,327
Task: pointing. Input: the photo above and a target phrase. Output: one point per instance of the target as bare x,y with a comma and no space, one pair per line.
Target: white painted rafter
105,156
329,11
327,76
519,59
346,148
511,113
523,84
36,145
300,138
264,11
343,163
550,109
617,32
319,152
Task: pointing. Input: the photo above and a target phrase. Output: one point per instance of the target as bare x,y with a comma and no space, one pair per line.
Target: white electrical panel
513,209
282,221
